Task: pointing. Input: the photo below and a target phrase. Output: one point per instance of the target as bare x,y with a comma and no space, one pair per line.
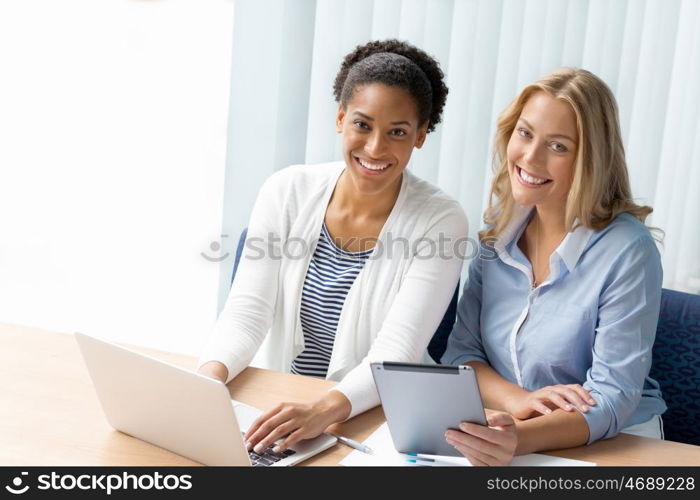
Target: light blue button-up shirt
591,322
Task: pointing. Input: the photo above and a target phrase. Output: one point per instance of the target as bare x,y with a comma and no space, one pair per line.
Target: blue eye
559,147
524,133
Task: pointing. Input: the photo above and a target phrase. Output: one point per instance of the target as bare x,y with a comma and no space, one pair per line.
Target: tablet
422,401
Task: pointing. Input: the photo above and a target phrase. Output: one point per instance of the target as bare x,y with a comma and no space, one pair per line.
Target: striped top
331,273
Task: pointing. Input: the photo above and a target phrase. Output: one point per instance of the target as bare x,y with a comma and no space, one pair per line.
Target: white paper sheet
386,455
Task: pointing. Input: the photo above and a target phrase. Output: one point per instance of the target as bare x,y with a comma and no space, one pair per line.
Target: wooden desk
50,415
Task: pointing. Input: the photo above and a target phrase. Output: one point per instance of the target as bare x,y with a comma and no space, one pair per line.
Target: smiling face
542,151
380,129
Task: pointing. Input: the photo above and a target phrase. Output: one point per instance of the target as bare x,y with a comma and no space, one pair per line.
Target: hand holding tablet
421,402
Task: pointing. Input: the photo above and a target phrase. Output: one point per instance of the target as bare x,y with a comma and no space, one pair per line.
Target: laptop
179,410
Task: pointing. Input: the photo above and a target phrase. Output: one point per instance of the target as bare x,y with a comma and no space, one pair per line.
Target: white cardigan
392,309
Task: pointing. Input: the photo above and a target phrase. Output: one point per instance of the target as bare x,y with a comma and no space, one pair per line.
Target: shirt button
644,358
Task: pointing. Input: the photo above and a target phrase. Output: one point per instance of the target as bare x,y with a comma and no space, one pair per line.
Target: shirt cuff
231,362
358,386
601,419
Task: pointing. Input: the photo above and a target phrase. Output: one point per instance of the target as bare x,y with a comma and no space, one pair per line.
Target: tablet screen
422,401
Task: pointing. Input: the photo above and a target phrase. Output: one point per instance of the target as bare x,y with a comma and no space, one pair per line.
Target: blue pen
415,458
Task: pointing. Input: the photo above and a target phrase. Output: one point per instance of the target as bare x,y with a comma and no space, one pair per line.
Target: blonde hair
600,189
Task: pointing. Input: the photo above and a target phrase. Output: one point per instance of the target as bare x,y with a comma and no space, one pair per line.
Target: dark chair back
239,252
676,364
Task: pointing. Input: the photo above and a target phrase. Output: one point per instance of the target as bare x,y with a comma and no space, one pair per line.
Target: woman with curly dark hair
360,258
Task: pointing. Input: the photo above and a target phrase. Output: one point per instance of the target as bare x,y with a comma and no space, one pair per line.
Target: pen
353,444
413,458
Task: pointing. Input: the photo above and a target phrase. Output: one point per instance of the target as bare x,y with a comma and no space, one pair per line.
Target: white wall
113,118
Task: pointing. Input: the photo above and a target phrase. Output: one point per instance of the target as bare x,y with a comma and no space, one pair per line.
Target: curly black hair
397,64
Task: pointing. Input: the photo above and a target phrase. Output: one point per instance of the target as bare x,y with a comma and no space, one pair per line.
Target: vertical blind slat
386,19
554,36
651,96
327,55
459,80
436,42
576,20
532,42
676,208
627,69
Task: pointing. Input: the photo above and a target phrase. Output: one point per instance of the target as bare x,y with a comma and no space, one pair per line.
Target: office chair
676,364
438,343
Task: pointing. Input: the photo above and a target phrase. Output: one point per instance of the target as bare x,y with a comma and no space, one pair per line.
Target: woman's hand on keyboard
292,422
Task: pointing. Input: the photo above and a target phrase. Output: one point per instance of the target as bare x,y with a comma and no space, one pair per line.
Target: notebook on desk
179,410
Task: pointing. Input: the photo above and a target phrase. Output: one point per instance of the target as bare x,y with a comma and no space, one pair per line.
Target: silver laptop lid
182,411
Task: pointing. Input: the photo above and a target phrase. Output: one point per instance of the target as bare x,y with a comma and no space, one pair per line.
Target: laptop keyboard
268,457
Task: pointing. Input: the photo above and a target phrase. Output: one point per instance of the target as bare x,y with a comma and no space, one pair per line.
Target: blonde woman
559,313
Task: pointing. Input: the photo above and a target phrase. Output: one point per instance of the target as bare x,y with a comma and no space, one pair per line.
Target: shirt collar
575,242
569,250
